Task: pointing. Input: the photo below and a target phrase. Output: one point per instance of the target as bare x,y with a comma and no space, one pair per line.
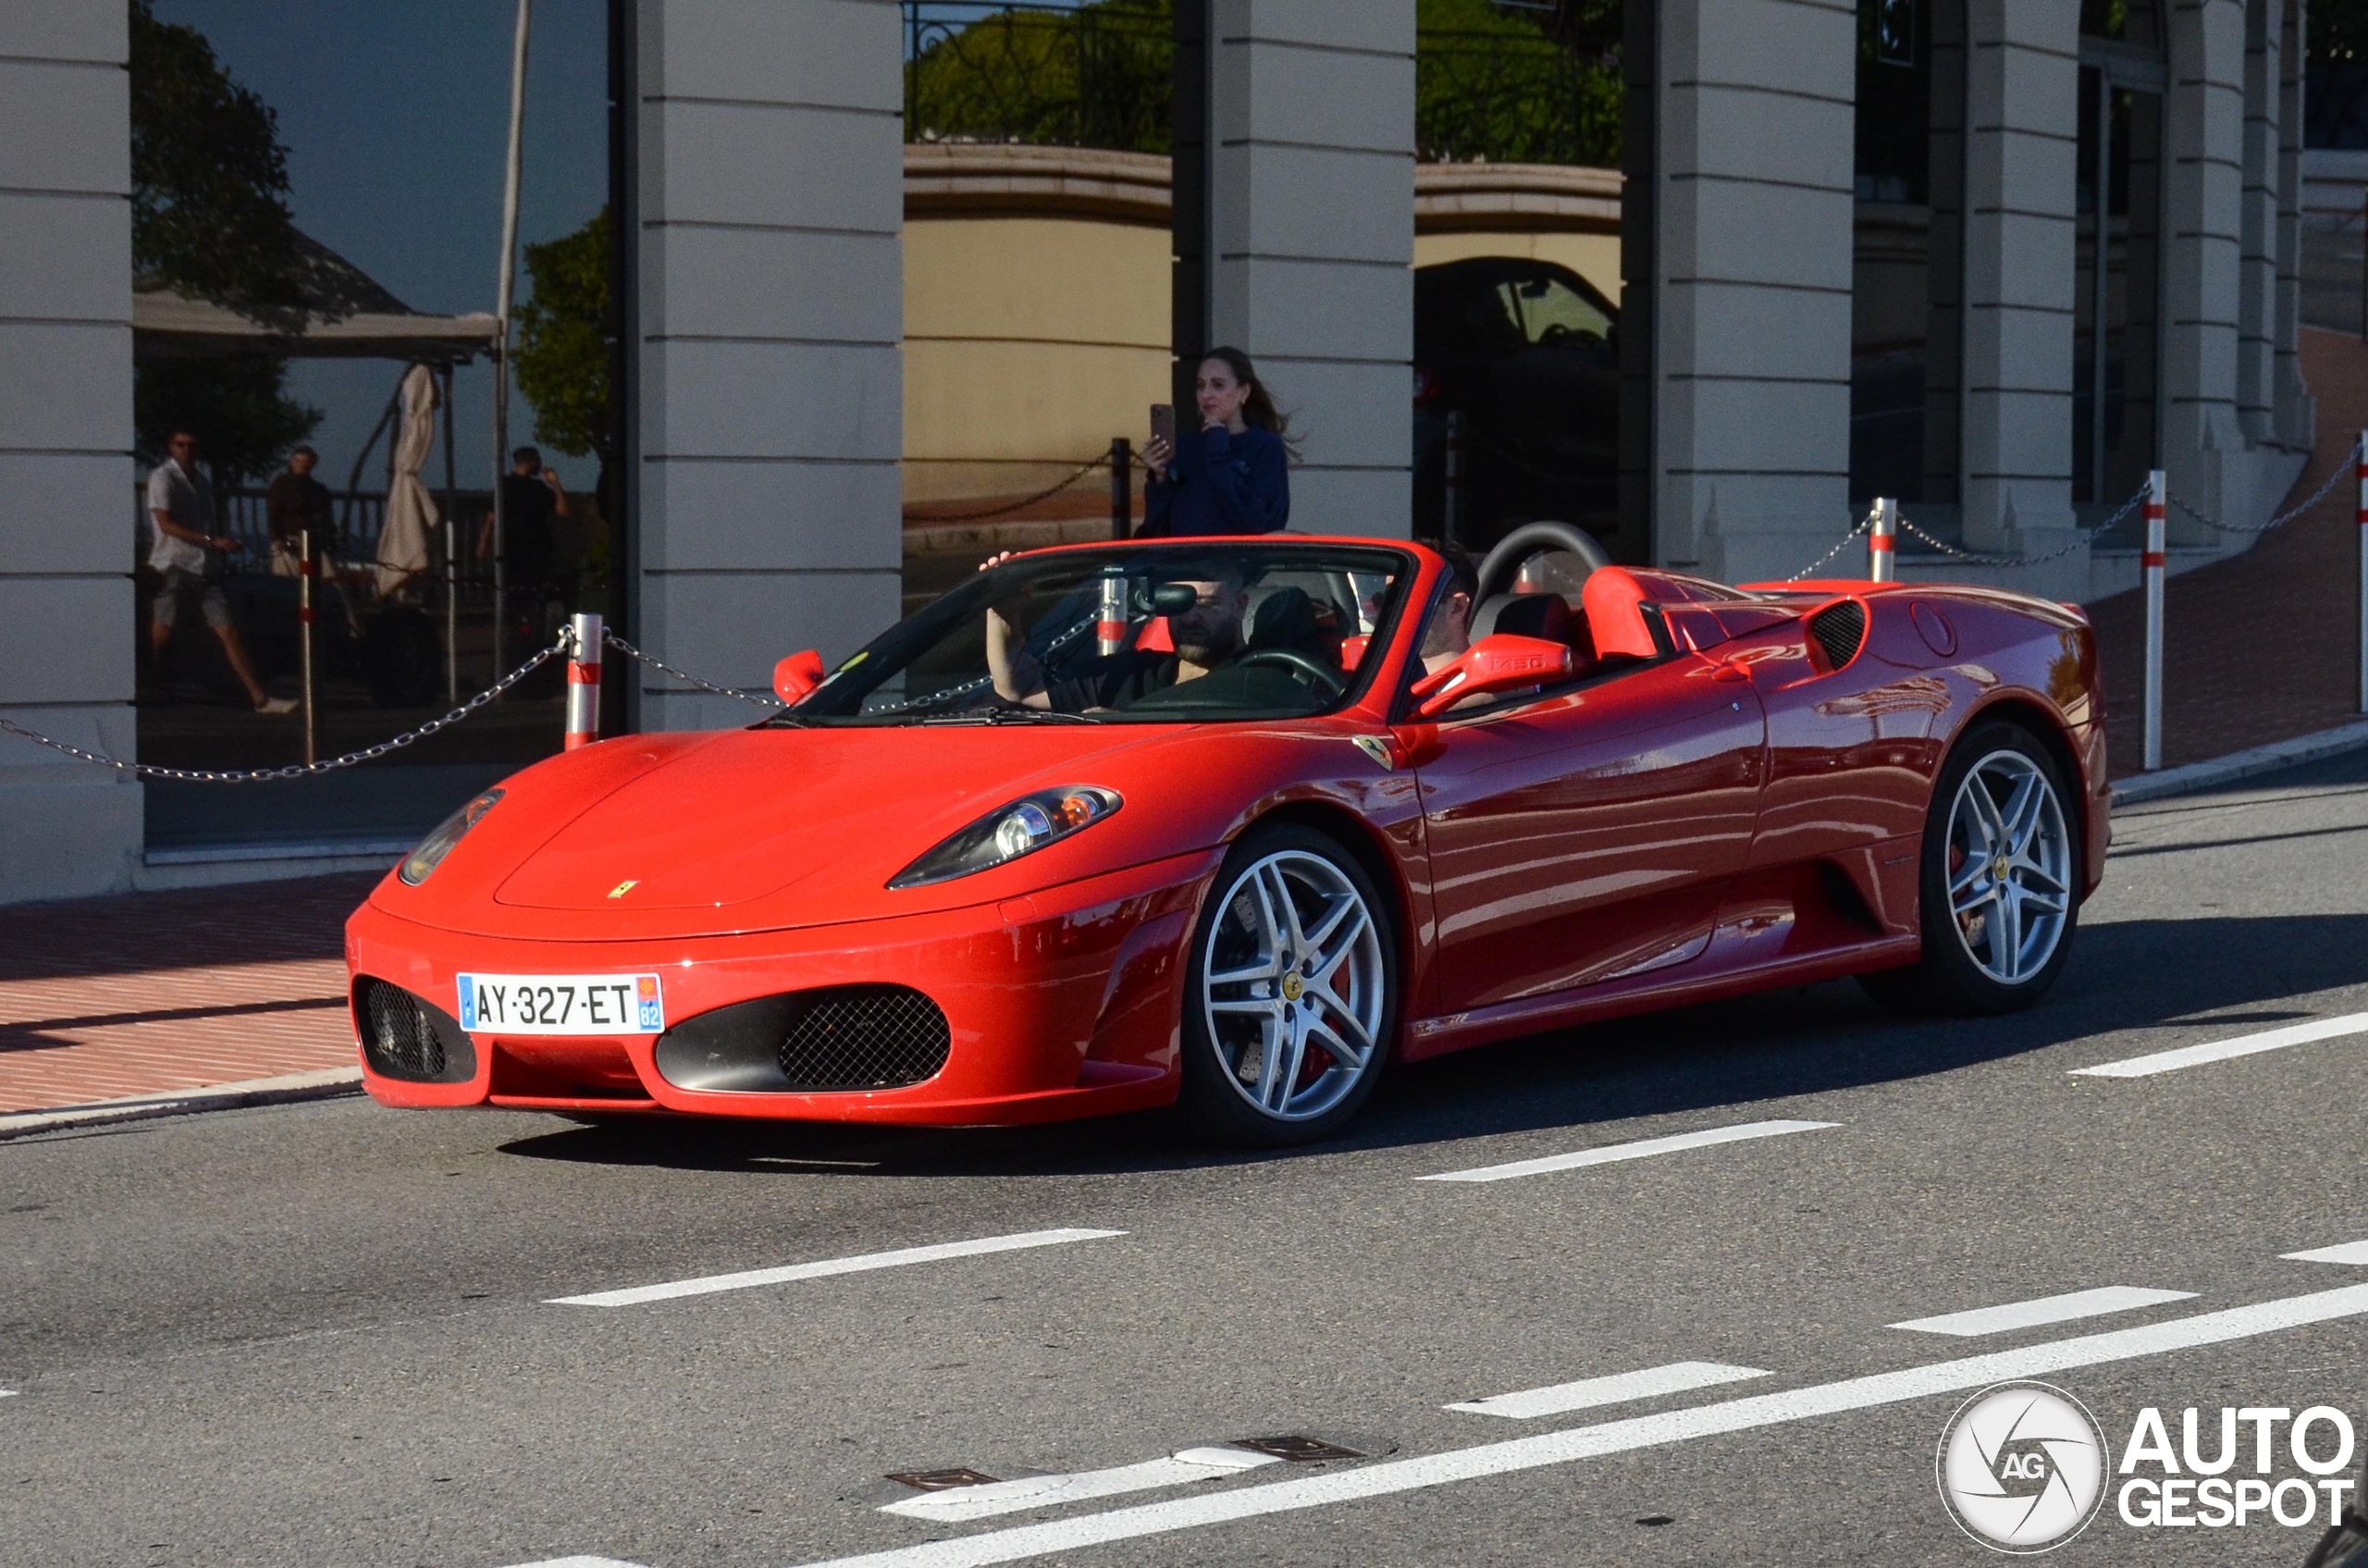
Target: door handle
1728,670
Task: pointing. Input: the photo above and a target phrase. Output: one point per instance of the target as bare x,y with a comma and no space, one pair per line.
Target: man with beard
1204,637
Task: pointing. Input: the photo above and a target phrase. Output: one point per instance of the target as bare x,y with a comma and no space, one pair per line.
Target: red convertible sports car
1232,823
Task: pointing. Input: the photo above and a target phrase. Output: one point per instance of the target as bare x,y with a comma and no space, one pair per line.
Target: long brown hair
1258,410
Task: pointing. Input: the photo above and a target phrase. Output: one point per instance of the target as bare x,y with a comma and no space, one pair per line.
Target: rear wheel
1999,895
1291,999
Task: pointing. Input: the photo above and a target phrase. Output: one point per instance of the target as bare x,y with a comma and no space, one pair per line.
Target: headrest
1610,599
1524,615
1285,618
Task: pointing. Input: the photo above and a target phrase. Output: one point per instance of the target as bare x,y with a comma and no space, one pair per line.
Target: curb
329,1083
2243,764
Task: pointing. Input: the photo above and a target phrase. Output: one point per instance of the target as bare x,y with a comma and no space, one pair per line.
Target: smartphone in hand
1162,424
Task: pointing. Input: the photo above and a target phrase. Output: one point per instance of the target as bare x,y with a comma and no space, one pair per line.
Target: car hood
766,829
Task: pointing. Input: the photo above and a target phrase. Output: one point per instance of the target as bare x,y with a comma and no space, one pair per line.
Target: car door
1589,833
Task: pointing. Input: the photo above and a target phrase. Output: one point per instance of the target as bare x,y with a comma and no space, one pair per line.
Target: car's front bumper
1065,1002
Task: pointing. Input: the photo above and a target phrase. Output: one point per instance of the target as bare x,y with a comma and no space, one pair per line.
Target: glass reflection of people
180,505
1233,474
295,503
1204,637
533,502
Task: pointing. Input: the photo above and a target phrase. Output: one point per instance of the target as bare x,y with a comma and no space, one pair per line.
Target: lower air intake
864,1037
404,1037
1839,629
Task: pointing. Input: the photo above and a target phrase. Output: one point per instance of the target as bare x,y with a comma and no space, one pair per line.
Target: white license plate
561,1003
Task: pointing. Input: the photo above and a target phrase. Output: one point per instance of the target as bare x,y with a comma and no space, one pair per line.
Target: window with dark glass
2117,253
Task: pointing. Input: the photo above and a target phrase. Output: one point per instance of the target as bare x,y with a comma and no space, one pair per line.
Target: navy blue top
1220,483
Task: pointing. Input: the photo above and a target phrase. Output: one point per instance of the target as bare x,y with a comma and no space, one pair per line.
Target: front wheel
2000,890
1291,1000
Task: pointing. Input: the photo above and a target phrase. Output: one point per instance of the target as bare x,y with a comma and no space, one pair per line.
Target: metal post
2363,268
501,312
1452,523
451,559
2158,493
583,682
1882,541
305,567
2359,516
1122,488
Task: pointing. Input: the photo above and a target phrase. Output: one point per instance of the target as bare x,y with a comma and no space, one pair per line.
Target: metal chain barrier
2343,468
685,676
1839,545
300,770
2087,536
1009,507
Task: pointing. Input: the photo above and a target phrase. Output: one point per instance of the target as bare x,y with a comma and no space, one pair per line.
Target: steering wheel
1503,564
1328,683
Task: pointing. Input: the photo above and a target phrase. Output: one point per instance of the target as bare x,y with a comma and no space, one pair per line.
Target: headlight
435,845
1021,828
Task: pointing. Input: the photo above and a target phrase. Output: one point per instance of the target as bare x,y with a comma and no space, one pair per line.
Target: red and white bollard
2359,515
1882,542
583,682
2151,563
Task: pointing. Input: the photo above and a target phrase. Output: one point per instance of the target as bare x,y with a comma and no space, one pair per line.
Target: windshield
1182,632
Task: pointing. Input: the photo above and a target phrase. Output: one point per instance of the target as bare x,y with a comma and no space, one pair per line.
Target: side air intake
841,1038
1839,628
405,1038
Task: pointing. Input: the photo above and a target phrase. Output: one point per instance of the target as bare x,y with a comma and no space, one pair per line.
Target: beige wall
1030,341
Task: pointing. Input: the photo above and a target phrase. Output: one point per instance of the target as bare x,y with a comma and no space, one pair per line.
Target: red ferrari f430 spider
1234,824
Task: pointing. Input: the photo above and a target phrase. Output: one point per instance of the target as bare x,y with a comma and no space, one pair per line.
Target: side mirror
797,676
1499,663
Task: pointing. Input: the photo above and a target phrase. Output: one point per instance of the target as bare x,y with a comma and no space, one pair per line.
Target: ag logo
2022,1468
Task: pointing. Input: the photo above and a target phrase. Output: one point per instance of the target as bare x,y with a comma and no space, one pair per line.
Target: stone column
2204,144
2257,228
2023,112
68,510
766,146
1310,218
1753,287
2296,421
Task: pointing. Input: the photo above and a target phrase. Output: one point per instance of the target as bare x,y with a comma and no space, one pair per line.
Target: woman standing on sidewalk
1231,476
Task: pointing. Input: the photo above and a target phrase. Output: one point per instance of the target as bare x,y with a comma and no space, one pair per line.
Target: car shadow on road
1740,1055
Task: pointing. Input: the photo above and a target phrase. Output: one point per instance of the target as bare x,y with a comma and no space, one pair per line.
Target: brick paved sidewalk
149,992
2264,647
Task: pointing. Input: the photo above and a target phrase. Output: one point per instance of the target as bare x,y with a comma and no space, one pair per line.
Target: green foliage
565,337
243,422
1490,85
1094,77
209,218
209,180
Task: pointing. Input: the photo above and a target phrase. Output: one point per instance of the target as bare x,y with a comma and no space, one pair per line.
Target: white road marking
2350,1251
580,1562
1016,1543
1617,1389
827,1266
1642,1149
958,1505
2044,1309
2220,1050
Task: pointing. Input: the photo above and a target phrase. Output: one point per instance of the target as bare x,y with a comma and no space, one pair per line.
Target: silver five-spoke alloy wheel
2009,866
1294,991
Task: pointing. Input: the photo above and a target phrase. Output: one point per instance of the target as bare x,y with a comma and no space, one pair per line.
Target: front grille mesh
1839,629
396,1034
864,1037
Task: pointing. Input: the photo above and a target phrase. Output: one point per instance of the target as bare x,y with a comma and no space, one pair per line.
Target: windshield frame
926,627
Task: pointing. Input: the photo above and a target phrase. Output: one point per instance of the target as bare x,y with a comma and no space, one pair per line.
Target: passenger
1233,474
1449,633
1204,637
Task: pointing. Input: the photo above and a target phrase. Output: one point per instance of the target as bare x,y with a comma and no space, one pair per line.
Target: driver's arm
999,663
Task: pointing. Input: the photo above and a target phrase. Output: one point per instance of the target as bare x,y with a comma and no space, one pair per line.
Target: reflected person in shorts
180,506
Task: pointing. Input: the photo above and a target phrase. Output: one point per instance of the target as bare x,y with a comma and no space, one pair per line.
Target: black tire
1214,1102
1948,978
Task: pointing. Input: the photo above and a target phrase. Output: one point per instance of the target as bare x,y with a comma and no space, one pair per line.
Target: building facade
1995,257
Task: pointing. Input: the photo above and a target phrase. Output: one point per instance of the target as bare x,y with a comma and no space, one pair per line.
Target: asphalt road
326,1334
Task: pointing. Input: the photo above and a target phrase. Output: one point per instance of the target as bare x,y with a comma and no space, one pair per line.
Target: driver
1449,633
1203,637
